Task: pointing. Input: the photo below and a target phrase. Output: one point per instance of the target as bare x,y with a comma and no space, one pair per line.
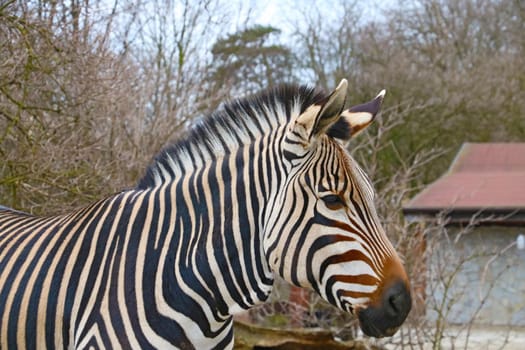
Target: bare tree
55,89
89,91
171,54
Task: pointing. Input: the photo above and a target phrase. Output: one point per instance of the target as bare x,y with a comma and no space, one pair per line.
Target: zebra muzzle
384,319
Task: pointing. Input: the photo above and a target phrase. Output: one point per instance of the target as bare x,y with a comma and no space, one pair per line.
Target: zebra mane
232,125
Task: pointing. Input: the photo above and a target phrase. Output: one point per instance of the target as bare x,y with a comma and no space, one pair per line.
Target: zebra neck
214,233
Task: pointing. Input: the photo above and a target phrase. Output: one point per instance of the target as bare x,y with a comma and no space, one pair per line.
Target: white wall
462,287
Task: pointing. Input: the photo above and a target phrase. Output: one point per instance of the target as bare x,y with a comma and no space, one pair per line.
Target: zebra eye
333,201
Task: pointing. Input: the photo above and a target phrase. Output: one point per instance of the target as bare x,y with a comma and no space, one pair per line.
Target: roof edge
485,216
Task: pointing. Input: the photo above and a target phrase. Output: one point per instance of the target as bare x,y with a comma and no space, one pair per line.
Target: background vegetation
90,90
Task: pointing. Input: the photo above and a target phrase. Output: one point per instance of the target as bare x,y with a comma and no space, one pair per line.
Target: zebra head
324,232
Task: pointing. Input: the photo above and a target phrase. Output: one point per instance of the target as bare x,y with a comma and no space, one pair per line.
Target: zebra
262,187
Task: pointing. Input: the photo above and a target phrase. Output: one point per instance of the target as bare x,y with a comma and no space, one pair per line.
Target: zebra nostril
398,300
395,302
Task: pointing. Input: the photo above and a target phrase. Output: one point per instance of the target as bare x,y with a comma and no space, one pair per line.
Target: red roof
484,176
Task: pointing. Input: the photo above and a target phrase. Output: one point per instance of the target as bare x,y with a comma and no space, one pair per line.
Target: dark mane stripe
234,124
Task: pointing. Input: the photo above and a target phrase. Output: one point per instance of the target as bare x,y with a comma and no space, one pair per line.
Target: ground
481,337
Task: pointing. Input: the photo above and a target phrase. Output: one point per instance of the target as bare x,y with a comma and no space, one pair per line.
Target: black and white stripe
165,265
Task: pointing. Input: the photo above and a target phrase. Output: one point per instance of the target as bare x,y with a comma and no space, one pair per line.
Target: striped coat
263,186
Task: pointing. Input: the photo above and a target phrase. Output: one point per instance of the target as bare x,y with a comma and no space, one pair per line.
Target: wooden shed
484,191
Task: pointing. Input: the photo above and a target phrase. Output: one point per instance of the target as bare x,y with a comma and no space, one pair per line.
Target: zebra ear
356,119
317,118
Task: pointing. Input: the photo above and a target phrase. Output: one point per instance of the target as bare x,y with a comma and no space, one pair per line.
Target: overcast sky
283,13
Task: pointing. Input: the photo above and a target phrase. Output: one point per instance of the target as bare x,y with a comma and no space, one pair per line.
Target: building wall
477,277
